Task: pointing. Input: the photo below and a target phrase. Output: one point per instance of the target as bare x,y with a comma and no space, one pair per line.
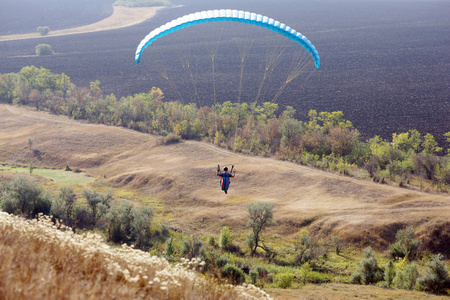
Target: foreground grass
40,261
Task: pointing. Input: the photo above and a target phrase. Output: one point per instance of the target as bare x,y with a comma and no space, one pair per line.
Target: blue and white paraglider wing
228,15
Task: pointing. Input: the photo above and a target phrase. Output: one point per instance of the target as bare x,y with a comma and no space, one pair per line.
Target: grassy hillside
179,182
181,178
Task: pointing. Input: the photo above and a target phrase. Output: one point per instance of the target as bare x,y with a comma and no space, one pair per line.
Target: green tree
43,30
43,49
261,213
447,135
405,245
437,279
368,270
119,220
22,196
225,239
430,145
389,273
141,226
98,204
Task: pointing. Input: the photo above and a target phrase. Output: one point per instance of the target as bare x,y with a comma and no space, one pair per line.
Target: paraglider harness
225,181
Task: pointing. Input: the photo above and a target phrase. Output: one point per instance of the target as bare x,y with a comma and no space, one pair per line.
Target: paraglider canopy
228,15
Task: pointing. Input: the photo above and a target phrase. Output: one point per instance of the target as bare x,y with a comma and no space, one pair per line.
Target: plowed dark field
385,64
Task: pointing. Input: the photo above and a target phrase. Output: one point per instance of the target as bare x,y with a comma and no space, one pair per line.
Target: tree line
327,140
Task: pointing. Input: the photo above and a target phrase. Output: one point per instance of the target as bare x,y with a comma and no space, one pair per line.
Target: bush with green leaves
222,260
43,30
22,196
368,270
43,49
119,221
99,204
83,217
225,239
171,138
141,231
191,247
405,245
406,278
437,279
306,248
389,273
63,204
169,248
283,280
233,274
254,276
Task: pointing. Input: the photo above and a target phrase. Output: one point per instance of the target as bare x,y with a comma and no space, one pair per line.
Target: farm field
383,65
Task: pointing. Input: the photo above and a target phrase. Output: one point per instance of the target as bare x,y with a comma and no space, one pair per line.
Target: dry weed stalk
43,260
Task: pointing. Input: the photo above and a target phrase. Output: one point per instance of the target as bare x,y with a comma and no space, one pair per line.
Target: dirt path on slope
121,17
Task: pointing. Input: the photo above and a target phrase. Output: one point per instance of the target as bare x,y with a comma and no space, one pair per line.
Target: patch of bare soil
121,17
183,175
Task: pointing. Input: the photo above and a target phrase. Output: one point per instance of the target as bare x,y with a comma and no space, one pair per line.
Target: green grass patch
59,176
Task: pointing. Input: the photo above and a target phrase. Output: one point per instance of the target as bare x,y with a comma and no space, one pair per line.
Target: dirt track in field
121,17
183,175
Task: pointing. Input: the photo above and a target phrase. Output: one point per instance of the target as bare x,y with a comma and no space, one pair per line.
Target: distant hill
183,177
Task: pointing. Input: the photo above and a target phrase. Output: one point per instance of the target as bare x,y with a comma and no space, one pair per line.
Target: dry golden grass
340,291
182,177
121,17
40,260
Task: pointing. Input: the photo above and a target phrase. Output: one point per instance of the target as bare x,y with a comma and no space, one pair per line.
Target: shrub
233,274
222,260
406,278
254,275
43,49
171,138
191,247
389,273
283,280
405,246
437,279
22,196
83,218
169,248
211,241
368,270
225,238
43,30
337,244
